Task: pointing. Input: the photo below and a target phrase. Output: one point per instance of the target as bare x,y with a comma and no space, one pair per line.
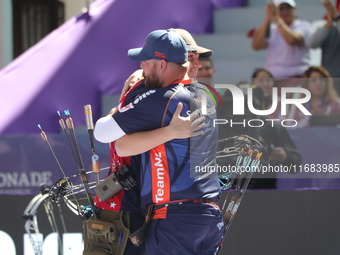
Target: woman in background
264,79
324,99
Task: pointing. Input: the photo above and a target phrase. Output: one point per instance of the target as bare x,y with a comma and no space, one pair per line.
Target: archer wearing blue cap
161,44
183,216
164,58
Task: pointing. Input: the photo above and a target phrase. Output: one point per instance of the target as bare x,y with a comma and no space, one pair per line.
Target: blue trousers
187,230
136,221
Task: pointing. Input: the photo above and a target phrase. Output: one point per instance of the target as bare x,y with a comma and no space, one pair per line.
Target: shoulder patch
126,107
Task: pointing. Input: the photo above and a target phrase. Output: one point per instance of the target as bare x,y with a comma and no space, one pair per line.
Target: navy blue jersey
125,200
168,171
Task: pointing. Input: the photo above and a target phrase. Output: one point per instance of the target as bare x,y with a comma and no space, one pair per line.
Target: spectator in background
262,78
327,37
206,72
284,36
324,99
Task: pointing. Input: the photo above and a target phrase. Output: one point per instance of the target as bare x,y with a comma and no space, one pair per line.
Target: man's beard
152,81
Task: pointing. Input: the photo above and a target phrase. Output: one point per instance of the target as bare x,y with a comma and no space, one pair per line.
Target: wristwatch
337,18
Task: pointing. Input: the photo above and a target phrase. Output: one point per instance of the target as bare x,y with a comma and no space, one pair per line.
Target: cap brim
137,54
204,52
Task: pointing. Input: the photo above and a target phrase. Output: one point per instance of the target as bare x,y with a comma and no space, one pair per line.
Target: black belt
192,201
138,236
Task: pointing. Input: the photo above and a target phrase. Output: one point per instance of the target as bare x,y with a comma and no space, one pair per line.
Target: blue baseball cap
161,44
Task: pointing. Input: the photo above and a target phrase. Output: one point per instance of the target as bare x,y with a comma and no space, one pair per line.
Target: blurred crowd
288,41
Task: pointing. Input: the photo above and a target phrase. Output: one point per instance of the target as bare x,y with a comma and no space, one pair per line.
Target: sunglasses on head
285,8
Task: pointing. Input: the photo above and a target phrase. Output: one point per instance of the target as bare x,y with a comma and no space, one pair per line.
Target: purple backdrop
73,66
87,57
